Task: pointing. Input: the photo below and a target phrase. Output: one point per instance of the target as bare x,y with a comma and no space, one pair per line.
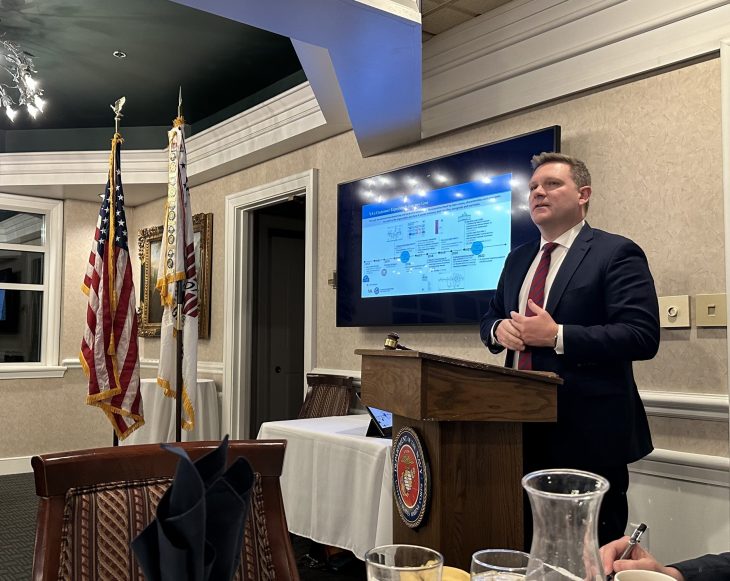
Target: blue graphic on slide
447,240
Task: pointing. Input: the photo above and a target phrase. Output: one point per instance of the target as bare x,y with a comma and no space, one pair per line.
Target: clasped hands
520,331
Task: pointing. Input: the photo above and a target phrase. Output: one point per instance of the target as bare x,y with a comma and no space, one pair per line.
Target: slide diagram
447,240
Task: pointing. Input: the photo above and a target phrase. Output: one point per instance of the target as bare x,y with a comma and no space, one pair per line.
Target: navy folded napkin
198,532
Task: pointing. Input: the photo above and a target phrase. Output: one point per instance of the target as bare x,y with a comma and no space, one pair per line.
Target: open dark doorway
277,353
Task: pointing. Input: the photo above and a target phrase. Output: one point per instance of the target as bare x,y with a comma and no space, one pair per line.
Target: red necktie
537,294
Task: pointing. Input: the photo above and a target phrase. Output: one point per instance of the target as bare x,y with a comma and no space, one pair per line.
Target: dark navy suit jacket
707,568
604,297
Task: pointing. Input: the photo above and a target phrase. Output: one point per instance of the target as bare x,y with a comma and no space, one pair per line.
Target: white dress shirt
564,242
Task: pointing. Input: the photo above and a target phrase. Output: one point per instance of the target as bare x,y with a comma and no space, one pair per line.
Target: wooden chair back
94,502
327,395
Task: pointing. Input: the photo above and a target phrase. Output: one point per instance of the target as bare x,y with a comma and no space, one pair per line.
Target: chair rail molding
212,367
692,406
237,298
685,466
18,465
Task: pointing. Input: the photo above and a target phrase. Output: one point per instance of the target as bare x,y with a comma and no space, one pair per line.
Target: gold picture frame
149,313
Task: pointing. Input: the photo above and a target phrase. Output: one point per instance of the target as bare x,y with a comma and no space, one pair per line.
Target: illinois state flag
177,263
109,352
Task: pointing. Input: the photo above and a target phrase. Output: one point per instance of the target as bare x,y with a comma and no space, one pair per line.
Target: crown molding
521,54
530,52
79,167
284,123
287,122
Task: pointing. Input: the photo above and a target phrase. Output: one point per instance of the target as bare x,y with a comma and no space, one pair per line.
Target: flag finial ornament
117,108
180,120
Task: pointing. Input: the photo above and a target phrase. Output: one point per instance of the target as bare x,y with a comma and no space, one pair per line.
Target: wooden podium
468,416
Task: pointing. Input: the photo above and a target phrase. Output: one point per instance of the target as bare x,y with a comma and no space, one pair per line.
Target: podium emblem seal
411,478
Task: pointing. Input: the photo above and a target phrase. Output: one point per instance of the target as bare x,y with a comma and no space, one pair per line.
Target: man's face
556,203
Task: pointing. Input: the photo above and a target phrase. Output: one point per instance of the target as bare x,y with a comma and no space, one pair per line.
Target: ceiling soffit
362,60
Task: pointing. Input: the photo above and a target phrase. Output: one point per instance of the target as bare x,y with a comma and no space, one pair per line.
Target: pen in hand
635,538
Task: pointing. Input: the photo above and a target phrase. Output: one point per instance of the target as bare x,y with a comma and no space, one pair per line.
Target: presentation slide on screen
447,240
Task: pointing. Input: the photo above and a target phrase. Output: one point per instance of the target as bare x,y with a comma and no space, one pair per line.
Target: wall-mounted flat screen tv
425,244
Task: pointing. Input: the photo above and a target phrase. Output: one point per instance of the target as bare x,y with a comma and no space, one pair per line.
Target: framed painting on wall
150,308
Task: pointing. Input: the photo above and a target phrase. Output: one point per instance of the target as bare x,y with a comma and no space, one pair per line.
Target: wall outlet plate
674,312
711,310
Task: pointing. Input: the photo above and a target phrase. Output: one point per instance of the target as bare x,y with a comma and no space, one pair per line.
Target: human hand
508,336
637,559
539,330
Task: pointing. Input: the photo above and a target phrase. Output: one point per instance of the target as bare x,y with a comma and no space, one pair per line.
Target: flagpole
179,291
117,108
180,296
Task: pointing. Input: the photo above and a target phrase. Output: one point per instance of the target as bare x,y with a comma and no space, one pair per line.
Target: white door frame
237,296
725,120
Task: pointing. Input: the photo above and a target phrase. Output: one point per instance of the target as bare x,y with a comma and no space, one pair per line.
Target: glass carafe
565,506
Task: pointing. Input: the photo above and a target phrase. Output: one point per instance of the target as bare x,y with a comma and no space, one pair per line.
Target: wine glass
499,565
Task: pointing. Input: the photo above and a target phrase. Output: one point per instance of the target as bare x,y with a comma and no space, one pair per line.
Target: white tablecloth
336,482
159,414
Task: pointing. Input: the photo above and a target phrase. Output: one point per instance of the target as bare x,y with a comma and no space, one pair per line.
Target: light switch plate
711,310
674,312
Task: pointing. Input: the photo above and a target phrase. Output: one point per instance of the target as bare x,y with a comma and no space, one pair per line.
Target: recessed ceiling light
119,54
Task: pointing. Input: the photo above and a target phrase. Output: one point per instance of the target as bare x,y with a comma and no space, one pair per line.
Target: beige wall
654,148
44,415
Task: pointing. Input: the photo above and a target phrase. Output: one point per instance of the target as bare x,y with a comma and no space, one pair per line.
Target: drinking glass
499,565
403,563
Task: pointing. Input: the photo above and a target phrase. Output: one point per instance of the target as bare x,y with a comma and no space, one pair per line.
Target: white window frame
52,286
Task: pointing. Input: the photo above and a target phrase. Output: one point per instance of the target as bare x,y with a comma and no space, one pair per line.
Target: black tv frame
450,308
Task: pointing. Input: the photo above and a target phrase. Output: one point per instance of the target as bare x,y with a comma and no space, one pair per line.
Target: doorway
277,315
238,325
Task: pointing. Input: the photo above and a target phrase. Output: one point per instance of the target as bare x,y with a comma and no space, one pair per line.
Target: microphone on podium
391,343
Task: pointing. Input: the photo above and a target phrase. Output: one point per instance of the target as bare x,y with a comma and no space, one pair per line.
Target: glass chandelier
19,65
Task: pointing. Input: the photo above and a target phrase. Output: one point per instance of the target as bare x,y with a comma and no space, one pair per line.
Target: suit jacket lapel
575,256
522,265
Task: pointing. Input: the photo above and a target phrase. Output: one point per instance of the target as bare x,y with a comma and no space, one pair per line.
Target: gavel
391,342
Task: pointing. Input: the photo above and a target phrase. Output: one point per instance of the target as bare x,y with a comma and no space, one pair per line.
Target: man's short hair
578,170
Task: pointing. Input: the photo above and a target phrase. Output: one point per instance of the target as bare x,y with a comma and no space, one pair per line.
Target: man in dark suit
706,568
581,303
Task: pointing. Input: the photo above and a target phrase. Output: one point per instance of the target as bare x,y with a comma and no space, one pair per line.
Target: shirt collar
567,238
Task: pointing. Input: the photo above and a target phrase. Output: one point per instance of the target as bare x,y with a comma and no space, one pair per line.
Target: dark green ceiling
221,65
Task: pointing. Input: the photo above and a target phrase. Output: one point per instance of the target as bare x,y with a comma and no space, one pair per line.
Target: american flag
109,351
